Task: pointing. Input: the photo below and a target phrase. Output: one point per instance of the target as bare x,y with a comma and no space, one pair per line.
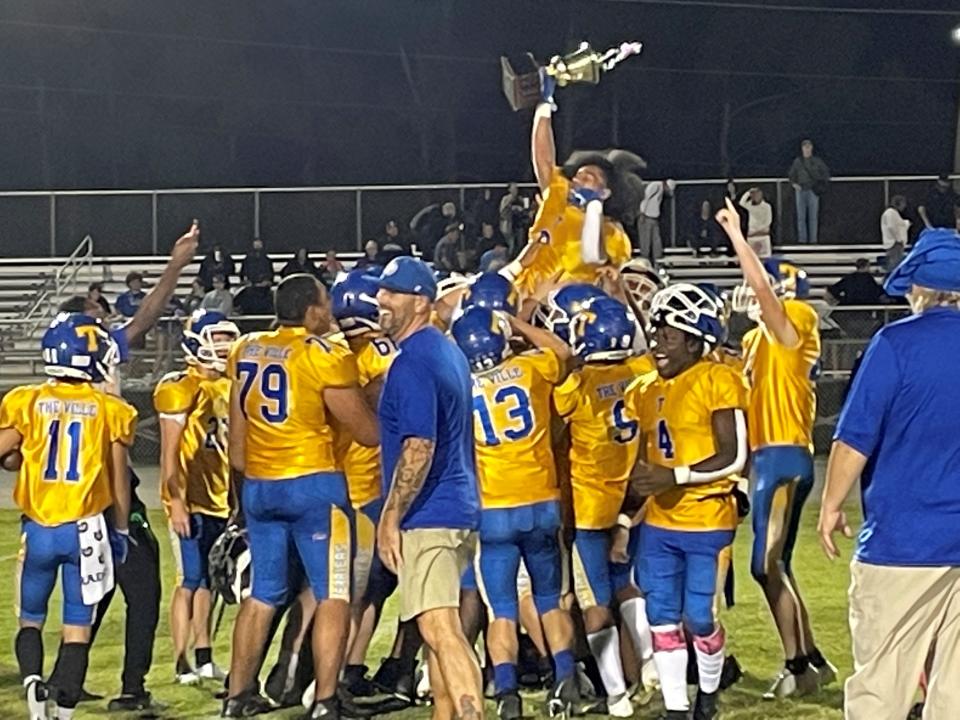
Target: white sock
634,612
64,713
709,651
670,655
605,646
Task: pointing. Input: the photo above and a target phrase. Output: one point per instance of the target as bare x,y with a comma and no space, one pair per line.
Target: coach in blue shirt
427,532
899,432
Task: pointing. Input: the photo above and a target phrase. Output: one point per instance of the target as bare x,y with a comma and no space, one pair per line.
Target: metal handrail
81,256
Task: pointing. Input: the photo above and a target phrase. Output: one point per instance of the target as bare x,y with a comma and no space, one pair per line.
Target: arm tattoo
416,457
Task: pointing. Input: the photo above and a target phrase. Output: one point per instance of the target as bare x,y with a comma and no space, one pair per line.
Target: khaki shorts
434,560
897,614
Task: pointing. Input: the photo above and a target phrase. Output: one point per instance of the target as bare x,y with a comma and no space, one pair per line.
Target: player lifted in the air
73,438
693,444
578,226
193,407
781,362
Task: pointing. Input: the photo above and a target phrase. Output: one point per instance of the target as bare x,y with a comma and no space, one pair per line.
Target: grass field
749,629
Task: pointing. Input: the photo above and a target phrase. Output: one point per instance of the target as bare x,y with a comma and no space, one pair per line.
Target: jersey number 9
273,387
624,429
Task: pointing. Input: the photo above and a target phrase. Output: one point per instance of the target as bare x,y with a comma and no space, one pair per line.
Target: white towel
96,559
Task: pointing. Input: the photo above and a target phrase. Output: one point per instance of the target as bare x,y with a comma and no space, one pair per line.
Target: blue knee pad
310,514
45,551
774,469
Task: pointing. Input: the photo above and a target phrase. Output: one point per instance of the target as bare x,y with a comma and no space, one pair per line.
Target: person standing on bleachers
893,231
810,178
216,262
759,221
129,302
257,269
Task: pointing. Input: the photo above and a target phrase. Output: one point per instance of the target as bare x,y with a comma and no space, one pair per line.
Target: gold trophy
583,65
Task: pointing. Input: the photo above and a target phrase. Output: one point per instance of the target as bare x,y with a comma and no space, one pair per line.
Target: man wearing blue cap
898,434
427,532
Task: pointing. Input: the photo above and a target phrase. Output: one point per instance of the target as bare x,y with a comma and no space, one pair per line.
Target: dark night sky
130,93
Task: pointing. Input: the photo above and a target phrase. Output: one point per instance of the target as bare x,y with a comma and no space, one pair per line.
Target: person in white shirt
648,220
893,230
759,221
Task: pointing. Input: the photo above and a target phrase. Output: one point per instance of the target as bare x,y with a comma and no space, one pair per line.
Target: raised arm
156,300
771,309
544,340
543,149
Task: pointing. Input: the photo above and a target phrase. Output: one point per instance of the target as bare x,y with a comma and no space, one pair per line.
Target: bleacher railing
144,222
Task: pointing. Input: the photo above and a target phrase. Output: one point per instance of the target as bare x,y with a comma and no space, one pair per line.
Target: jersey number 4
521,416
271,381
52,473
664,442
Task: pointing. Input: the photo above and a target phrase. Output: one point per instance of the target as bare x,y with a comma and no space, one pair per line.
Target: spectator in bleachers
129,301
648,219
893,231
489,238
942,206
217,262
371,254
445,256
857,288
301,263
759,221
253,300
429,225
219,299
496,257
485,209
330,269
257,269
195,298
810,178
706,232
511,207
394,240
95,294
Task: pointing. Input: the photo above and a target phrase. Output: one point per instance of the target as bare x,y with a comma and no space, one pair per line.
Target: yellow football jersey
362,464
67,429
204,468
783,400
280,376
603,438
561,224
512,413
675,418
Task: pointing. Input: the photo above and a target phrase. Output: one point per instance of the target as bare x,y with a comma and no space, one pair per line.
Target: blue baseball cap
408,275
934,262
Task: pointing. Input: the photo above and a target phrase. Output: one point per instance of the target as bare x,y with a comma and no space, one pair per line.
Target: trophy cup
583,65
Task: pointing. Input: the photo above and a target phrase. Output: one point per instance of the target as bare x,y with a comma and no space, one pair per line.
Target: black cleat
131,702
731,672
675,715
392,678
356,683
563,700
86,696
706,706
246,704
328,709
509,706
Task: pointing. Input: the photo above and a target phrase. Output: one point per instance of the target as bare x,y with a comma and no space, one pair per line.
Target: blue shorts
591,568
309,516
623,575
678,575
192,554
531,532
43,551
783,479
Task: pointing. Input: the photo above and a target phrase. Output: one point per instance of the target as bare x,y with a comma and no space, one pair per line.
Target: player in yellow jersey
781,361
693,442
73,439
289,388
577,228
193,407
603,450
519,493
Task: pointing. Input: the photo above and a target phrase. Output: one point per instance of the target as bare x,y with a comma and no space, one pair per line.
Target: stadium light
955,35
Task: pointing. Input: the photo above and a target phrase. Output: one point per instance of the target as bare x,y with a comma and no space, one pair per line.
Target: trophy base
522,90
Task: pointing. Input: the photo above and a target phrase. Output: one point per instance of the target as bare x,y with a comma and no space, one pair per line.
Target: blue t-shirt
427,394
128,302
903,413
119,335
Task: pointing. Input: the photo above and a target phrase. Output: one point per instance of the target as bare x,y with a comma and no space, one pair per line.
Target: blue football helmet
199,345
483,335
602,329
556,312
787,279
354,300
721,300
690,309
491,290
79,347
